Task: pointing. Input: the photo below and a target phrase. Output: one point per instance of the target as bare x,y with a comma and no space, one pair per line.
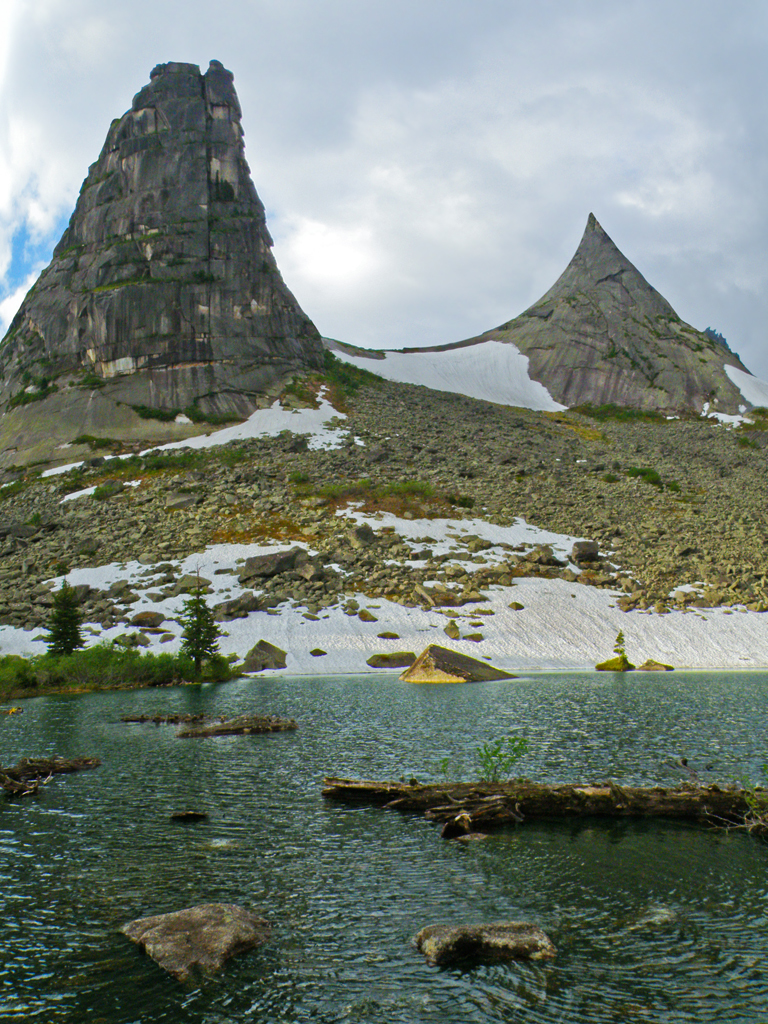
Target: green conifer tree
64,634
200,635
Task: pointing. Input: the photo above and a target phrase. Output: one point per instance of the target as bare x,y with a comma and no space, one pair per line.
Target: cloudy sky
428,166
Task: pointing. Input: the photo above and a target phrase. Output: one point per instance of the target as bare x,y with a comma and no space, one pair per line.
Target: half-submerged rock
620,663
200,939
485,943
163,293
441,665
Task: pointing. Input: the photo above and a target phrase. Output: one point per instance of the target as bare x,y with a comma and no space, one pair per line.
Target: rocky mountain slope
675,507
163,293
601,335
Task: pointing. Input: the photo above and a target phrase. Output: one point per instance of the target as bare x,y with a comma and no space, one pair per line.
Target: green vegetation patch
620,413
97,443
44,387
397,496
14,488
759,419
346,376
91,381
192,412
102,667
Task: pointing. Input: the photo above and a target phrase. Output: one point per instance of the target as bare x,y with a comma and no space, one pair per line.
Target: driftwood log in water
173,719
244,724
32,772
468,807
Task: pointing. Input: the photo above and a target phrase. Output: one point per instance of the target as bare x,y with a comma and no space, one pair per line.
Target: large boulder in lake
444,944
200,939
441,665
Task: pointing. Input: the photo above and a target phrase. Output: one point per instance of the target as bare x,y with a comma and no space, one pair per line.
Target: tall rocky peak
602,334
163,291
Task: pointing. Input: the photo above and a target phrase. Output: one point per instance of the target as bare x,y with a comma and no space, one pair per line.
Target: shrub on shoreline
101,667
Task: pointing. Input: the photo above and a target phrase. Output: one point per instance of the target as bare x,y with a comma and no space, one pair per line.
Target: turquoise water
653,921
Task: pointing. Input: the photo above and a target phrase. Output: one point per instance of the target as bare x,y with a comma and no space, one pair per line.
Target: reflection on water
653,921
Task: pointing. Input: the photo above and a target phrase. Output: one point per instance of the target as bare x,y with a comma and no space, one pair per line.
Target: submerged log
244,724
173,719
467,807
32,772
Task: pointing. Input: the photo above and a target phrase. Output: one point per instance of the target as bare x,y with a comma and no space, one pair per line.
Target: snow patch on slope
324,425
754,390
492,371
561,625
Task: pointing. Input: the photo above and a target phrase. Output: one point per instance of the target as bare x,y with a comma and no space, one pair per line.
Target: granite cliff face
163,291
603,335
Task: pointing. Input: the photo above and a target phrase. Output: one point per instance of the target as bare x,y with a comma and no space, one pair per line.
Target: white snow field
561,626
754,390
493,371
325,425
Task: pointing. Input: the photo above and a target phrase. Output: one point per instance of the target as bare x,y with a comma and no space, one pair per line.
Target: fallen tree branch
30,773
469,807
244,724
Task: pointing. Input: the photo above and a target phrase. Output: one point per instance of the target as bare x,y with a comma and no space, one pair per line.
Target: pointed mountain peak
600,268
163,293
602,334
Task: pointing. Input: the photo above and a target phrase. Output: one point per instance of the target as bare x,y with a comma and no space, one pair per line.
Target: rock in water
440,665
198,939
603,335
486,943
163,291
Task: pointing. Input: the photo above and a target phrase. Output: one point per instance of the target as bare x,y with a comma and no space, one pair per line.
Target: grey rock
147,620
177,502
486,943
397,659
361,536
237,608
265,566
198,940
603,335
190,583
542,554
264,656
438,664
585,551
163,291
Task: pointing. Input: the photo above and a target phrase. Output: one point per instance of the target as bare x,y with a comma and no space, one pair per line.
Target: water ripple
652,920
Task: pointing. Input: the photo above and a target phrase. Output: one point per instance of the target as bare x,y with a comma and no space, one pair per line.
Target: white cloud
428,169
11,302
331,257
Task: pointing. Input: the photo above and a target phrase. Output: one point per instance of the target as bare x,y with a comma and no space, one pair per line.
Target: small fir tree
64,634
200,637
618,647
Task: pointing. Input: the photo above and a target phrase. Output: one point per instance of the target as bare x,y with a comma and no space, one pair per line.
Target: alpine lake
653,920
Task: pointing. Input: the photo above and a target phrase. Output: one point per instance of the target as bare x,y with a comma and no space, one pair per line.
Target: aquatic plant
494,760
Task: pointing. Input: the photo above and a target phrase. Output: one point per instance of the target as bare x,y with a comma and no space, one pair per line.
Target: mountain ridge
601,335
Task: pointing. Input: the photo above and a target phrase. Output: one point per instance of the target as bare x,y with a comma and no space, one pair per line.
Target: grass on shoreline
102,667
